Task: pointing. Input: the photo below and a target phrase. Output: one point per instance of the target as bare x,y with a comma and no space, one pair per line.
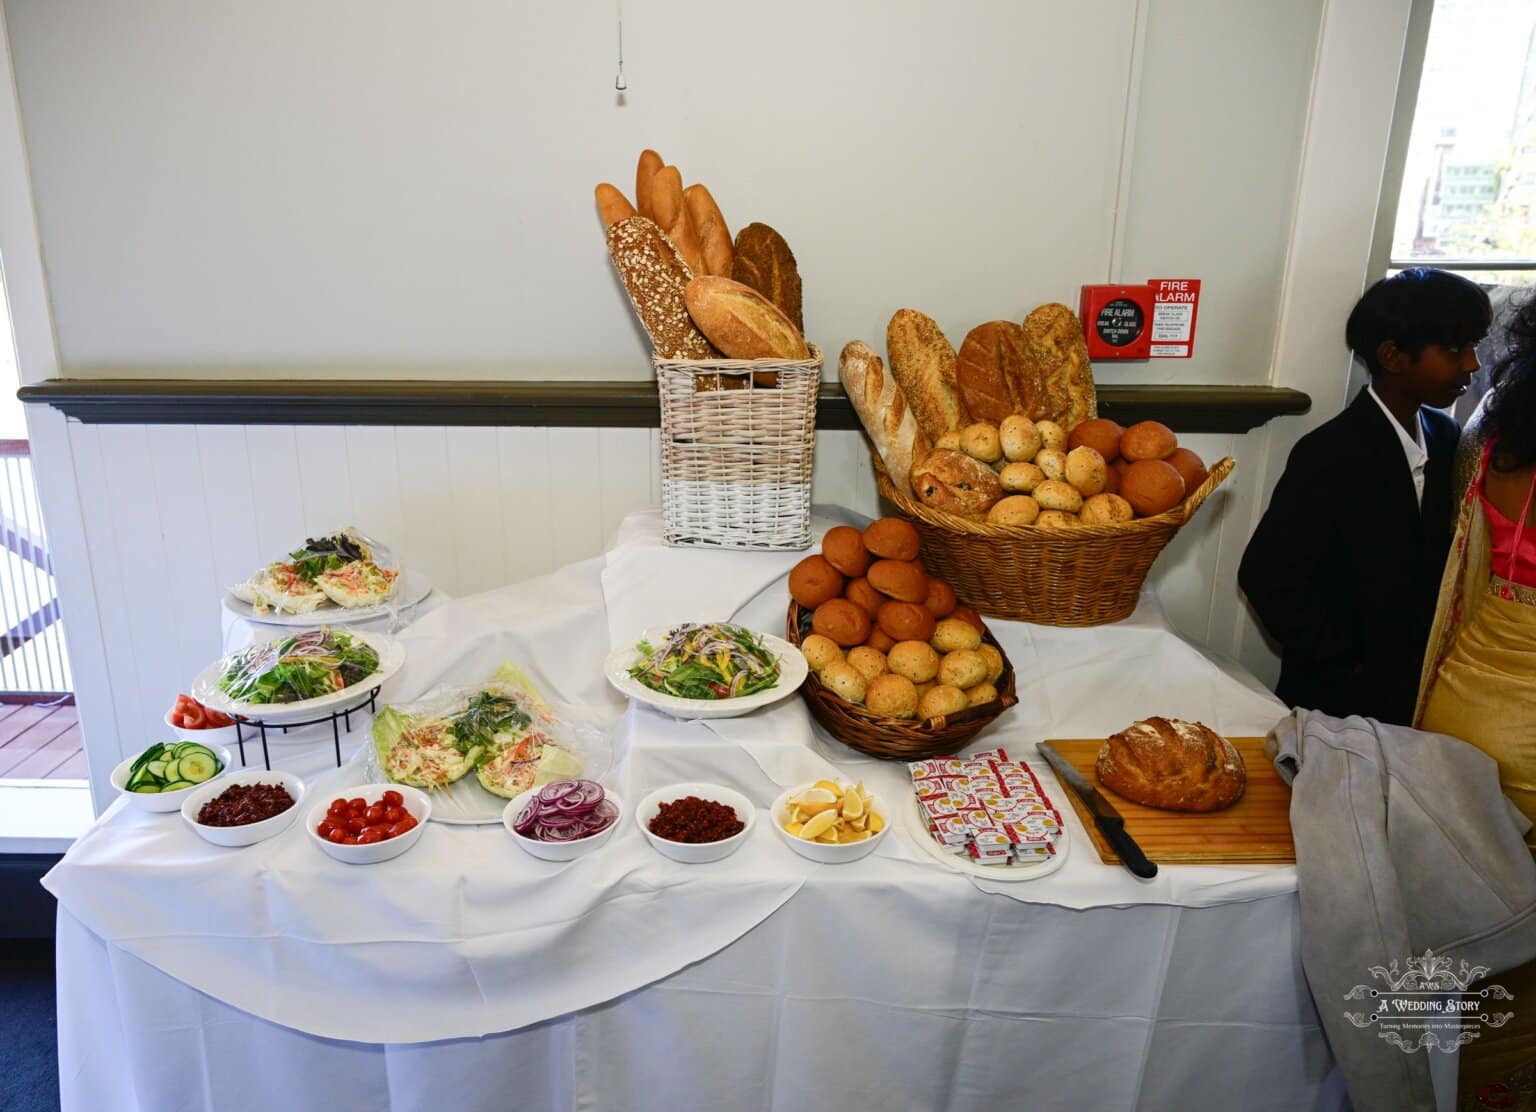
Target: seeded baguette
656,278
924,365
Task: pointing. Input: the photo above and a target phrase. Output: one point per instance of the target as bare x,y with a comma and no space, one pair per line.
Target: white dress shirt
1413,446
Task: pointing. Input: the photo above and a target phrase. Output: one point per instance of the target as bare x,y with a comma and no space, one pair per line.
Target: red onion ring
566,811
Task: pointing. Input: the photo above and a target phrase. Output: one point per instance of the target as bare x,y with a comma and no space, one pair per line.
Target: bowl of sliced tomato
191,721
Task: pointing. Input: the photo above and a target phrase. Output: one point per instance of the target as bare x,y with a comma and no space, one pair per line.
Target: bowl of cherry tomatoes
371,823
191,721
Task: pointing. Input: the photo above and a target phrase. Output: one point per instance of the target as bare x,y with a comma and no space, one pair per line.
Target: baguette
1053,339
709,226
671,216
990,360
764,261
882,409
645,173
924,365
612,205
741,322
656,278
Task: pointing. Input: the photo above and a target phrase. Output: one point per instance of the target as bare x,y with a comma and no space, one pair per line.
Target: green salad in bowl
303,666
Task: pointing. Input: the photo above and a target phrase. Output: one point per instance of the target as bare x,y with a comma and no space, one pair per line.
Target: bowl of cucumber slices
159,778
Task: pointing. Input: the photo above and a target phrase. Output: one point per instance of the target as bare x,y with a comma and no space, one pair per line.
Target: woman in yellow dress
1479,677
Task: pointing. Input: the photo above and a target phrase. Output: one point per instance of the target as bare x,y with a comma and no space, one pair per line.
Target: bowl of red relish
243,808
695,823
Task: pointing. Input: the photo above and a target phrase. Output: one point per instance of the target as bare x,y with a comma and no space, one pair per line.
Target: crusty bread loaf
990,360
764,261
741,322
954,482
1172,764
882,409
924,365
645,173
671,216
1053,341
612,205
709,226
655,277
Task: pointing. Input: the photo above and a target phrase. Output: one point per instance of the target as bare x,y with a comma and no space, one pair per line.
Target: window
1468,199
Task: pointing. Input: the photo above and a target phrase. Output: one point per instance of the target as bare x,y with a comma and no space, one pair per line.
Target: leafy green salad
715,661
304,666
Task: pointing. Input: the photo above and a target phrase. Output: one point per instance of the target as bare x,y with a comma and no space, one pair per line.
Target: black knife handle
1125,848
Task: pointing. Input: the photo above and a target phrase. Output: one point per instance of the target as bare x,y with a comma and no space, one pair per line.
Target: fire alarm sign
1116,321
1175,301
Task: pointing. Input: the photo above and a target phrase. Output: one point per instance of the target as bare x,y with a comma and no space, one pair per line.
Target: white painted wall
372,188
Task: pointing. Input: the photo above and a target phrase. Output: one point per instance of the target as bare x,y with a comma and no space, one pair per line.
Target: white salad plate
205,688
410,588
252,832
165,802
917,826
792,673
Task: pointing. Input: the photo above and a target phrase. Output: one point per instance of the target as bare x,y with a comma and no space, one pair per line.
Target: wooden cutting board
1254,830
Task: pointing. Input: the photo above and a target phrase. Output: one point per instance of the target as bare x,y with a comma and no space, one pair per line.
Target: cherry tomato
370,836
192,718
357,803
325,828
353,825
374,814
393,815
338,835
393,798
338,806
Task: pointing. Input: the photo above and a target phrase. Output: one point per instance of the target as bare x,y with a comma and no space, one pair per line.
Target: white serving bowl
164,802
415,801
821,851
559,851
211,736
686,852
250,833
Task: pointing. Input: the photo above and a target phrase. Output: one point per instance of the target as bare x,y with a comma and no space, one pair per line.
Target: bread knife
1105,817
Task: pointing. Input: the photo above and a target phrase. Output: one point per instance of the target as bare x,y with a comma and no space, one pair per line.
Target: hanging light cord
618,82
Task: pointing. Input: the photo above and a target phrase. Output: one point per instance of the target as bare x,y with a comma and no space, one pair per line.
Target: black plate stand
335,718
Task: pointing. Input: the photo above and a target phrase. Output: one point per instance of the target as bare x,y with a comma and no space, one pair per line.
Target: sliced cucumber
192,747
148,789
155,768
178,785
172,770
198,767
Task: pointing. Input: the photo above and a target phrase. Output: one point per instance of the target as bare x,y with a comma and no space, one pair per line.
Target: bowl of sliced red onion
564,819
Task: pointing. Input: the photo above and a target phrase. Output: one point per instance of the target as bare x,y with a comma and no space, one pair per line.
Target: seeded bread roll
764,261
990,360
924,364
957,484
882,410
709,226
741,322
655,276
1054,345
1174,765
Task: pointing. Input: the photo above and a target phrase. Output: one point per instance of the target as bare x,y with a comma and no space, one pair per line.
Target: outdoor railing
32,657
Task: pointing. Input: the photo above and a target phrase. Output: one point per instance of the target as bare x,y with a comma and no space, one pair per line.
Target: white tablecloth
467,972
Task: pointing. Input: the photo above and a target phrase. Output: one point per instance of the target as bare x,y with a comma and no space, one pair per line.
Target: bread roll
845,681
869,662
981,694
954,633
1016,509
645,173
957,484
1052,436
879,639
1189,466
1057,519
741,322
1148,440
963,613
891,538
1105,509
841,621
763,260
979,440
843,546
962,668
1086,470
941,600
914,659
671,216
1152,487
1052,461
899,579
865,597
1020,438
949,442
906,621
1099,433
1055,494
1021,478
924,364
994,659
612,205
989,361
813,581
892,696
1173,765
656,279
709,226
819,651
1053,341
941,701
882,411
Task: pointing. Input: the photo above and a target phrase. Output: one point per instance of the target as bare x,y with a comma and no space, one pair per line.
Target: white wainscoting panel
175,513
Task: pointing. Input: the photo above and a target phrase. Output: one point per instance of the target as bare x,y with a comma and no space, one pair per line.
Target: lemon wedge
830,786
819,825
818,794
876,823
853,805
793,828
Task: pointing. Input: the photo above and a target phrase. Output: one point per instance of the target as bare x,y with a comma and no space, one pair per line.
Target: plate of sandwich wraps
336,579
474,747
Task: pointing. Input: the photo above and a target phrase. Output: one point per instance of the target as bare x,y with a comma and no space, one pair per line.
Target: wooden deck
40,742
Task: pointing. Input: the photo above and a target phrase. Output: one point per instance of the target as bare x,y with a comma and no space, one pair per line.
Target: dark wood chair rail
554,404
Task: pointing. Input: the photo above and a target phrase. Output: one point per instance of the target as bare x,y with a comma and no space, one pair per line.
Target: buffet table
468,974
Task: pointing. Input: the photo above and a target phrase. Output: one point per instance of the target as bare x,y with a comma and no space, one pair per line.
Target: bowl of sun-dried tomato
244,808
694,822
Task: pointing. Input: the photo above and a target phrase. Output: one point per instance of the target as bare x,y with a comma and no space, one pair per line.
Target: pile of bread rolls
698,294
1005,430
886,635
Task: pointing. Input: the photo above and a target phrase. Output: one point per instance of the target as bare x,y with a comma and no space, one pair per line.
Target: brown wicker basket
896,739
1083,576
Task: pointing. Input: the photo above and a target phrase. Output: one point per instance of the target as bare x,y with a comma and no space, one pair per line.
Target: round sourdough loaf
1174,765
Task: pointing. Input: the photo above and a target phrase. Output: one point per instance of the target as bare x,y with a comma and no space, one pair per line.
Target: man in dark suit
1344,569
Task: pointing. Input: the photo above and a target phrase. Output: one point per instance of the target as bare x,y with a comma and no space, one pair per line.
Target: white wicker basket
738,439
